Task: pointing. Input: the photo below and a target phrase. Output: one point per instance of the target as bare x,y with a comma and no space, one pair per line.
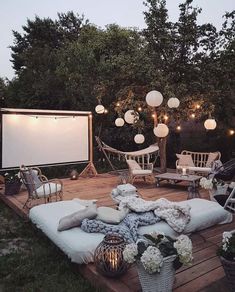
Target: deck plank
206,269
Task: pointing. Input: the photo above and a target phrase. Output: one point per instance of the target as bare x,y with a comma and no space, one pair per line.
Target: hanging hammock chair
140,155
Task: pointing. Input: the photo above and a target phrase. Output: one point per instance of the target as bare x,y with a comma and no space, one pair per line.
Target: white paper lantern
119,122
173,102
99,109
210,124
139,139
154,98
161,130
130,116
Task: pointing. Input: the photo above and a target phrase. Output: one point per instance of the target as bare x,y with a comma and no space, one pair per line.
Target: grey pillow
75,219
110,215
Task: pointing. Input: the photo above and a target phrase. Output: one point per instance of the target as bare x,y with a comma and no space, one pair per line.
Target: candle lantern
108,257
74,174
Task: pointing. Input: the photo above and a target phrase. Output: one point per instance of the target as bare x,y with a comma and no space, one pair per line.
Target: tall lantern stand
108,257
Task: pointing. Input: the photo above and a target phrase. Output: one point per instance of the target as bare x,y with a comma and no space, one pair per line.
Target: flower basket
158,282
229,269
12,188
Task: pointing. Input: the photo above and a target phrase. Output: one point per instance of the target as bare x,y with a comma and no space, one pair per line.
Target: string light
198,106
118,104
231,132
193,116
139,109
105,111
166,117
178,128
153,116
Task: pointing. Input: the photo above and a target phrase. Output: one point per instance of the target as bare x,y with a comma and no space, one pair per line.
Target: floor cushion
79,246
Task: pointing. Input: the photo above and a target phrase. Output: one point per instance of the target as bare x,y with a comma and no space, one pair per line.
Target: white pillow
185,160
75,219
110,215
133,164
85,203
211,158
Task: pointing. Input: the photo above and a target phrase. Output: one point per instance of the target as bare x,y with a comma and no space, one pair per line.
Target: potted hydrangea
12,183
157,258
227,257
215,187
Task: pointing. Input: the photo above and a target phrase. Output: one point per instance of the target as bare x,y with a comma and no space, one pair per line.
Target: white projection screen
42,138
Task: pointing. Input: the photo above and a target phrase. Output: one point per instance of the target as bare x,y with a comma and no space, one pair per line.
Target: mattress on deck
79,246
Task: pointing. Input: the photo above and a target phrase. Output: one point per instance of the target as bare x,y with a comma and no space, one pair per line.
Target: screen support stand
89,170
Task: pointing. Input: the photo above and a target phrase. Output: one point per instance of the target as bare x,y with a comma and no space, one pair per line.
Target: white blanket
174,214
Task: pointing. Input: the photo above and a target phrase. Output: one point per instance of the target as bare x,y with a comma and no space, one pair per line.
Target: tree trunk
162,153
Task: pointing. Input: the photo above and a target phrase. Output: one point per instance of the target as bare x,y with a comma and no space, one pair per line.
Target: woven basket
229,269
158,282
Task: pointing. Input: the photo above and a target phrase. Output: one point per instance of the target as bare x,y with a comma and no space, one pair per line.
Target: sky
126,13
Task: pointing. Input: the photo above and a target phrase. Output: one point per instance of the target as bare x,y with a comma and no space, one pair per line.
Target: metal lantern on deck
210,124
173,102
108,257
119,122
99,109
139,138
131,116
161,130
73,174
154,98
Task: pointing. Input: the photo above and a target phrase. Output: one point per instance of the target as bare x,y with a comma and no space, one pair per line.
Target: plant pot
12,188
158,282
229,269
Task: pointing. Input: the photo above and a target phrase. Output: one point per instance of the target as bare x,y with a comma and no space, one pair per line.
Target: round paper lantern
130,116
161,130
210,124
154,98
99,109
173,102
139,139
119,122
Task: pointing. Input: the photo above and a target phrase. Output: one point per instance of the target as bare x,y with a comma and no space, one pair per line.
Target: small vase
158,282
229,269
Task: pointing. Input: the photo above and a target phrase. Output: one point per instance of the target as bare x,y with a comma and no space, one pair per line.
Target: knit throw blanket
175,215
127,228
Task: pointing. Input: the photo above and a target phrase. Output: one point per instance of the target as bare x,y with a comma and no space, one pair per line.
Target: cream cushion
141,171
133,164
110,215
75,219
211,158
185,160
47,189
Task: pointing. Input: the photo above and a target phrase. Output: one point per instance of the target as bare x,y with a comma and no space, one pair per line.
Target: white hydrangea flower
184,248
130,252
206,183
226,237
152,260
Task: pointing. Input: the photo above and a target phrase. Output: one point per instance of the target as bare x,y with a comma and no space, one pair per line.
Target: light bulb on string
178,128
166,117
139,109
193,116
231,132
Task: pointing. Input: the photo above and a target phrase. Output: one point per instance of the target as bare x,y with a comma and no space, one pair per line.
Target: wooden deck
206,273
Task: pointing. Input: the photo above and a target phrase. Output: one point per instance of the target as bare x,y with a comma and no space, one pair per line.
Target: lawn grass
30,262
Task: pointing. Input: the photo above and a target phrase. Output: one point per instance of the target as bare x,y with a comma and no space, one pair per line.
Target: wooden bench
200,160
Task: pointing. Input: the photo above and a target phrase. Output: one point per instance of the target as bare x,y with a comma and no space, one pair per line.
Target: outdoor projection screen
44,138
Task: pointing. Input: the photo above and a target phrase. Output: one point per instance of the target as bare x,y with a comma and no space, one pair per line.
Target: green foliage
37,265
69,63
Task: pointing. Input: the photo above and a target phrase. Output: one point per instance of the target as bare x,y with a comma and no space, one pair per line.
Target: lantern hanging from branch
139,138
173,102
99,109
119,122
210,124
154,98
131,116
161,130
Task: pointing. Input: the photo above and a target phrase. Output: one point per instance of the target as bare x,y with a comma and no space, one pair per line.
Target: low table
176,177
